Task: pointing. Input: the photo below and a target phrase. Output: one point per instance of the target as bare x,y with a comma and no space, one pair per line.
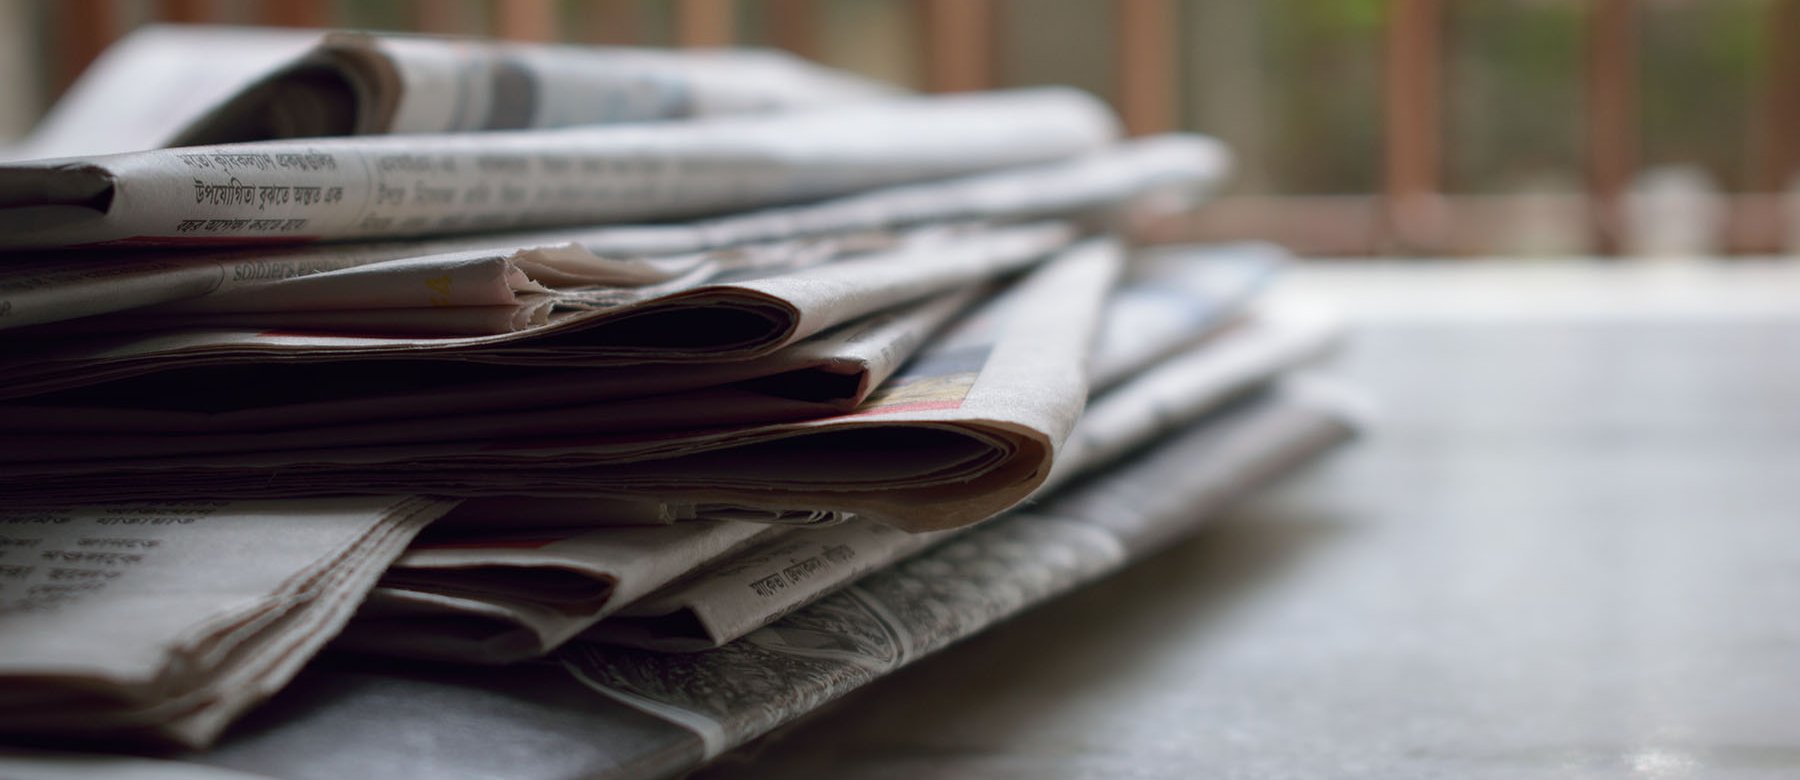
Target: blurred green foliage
1703,67
1513,94
1322,70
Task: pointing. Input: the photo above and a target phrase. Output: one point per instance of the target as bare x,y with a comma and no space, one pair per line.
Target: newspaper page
488,515
433,295
732,694
967,429
797,307
51,287
145,87
189,85
1181,389
747,591
1174,296
163,621
441,296
751,590
830,373
719,321
424,296
397,186
38,764
495,596
355,83
1172,170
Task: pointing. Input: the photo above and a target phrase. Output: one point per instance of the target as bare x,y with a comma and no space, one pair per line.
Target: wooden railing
1409,214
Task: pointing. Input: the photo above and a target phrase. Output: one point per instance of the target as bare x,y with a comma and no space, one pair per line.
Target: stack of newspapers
539,411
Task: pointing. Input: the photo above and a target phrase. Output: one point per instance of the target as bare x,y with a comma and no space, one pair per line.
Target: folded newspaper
398,186
957,436
425,392
361,84
730,319
150,89
735,693
163,621
1175,294
746,591
733,318
474,595
1158,174
649,714
830,373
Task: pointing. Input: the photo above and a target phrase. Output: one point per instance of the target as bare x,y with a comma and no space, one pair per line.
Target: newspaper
749,589
185,85
397,186
727,319
734,596
359,84
493,594
968,428
529,721
1163,172
163,621
732,694
488,270
1167,172
145,87
498,597
832,372
729,599
1172,297
427,296
485,515
1177,295
1179,390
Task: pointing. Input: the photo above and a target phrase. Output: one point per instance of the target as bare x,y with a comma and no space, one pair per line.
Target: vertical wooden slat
438,17
1612,114
526,20
1760,220
445,17
959,38
794,26
297,13
1413,130
187,11
612,22
1781,99
84,28
705,23
1146,70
